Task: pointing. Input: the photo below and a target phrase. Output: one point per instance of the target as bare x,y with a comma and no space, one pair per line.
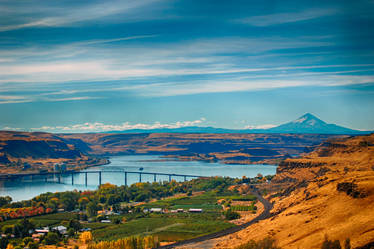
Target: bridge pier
56,176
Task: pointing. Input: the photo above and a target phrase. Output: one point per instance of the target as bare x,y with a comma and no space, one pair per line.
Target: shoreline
163,158
76,170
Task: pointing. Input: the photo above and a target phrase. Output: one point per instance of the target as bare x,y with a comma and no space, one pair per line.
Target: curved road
264,215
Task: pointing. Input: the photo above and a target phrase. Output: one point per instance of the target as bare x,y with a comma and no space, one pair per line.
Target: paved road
264,215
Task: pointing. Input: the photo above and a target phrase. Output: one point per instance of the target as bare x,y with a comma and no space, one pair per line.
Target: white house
156,210
195,210
60,229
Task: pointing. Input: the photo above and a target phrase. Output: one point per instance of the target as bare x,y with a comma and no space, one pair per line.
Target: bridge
59,175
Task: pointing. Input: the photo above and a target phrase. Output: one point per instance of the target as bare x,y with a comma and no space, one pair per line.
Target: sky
83,66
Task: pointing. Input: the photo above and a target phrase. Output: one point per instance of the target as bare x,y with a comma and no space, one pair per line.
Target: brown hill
329,192
42,150
227,148
25,151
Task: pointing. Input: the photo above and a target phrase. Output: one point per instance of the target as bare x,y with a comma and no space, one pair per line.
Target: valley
26,152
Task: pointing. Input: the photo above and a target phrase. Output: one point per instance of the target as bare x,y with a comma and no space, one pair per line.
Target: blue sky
100,65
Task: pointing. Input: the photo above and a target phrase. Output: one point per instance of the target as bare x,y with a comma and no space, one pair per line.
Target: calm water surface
28,188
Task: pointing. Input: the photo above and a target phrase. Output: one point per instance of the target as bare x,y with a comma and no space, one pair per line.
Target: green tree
3,242
347,244
231,215
51,238
24,226
116,207
74,224
5,200
71,232
7,229
91,209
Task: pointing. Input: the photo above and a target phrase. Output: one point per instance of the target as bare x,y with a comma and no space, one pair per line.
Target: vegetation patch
351,189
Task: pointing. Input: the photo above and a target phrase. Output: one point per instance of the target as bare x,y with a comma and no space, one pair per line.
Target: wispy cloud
289,17
101,127
220,86
71,99
83,61
101,41
56,15
13,99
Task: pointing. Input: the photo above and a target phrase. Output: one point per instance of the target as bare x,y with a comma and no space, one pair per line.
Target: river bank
21,172
28,187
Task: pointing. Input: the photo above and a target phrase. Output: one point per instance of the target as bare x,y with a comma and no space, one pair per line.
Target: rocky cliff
25,151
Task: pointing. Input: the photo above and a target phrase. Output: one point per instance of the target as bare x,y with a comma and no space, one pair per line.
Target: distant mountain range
307,123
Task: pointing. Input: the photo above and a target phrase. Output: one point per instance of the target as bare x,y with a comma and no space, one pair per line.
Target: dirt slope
328,192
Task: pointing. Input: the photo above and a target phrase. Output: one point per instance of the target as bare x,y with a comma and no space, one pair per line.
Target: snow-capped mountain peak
308,119
308,123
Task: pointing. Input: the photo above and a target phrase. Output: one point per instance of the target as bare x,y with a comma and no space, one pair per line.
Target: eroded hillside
30,152
329,192
226,148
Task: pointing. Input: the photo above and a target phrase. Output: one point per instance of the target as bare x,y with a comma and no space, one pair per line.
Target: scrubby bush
329,244
266,243
231,215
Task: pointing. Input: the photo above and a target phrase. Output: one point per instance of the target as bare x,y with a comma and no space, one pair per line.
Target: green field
45,220
206,201
167,226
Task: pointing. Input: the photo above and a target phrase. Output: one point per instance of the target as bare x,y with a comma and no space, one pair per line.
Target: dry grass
307,214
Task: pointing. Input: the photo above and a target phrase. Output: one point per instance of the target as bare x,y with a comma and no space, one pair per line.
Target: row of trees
127,243
14,213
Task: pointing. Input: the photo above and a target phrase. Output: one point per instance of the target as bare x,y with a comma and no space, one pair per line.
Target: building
42,231
155,210
36,236
195,210
60,229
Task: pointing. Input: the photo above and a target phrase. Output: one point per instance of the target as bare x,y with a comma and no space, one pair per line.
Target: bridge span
100,173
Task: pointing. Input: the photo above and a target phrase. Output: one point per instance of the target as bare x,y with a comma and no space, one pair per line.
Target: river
28,188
